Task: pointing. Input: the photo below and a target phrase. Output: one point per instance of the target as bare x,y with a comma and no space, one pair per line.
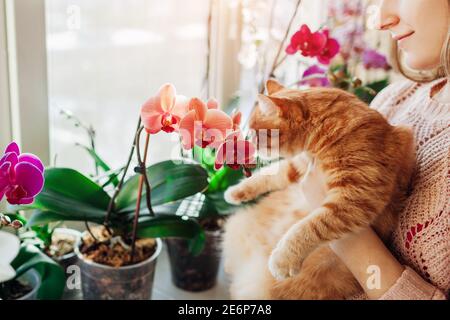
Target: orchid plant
214,138
144,204
21,181
321,46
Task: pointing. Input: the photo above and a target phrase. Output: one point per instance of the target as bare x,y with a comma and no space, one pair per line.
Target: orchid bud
16,224
5,220
357,83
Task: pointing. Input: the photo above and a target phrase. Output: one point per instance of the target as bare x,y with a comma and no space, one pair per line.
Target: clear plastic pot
101,282
32,278
71,258
195,273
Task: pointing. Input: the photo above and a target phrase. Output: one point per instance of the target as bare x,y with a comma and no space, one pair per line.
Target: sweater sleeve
410,286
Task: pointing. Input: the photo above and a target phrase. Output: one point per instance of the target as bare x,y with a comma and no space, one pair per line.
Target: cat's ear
267,105
273,86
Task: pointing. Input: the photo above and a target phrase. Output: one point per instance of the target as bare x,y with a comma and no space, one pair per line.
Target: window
106,57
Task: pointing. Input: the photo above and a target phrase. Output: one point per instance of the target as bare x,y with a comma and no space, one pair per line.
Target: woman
417,263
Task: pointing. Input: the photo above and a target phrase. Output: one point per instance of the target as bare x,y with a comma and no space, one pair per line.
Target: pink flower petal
10,157
291,49
333,47
218,119
245,152
13,147
181,107
220,157
152,106
24,201
29,177
213,104
187,130
237,119
305,31
31,158
167,95
152,122
199,107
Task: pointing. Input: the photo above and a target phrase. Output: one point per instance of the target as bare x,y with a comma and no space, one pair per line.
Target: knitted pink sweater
421,240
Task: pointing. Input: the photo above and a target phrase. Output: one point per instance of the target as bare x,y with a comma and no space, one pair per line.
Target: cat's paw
237,195
283,263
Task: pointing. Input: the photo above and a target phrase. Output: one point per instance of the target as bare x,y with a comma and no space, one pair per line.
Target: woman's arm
378,271
367,257
370,261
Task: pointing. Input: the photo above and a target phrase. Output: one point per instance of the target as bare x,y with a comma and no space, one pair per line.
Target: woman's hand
366,256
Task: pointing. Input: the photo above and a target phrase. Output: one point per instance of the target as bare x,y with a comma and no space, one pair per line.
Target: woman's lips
402,36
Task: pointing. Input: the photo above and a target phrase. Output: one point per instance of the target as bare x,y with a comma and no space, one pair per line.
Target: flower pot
195,273
101,282
32,279
70,258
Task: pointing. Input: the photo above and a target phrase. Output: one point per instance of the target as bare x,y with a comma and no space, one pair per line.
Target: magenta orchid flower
315,76
235,152
21,176
204,125
164,111
309,44
374,60
330,50
314,45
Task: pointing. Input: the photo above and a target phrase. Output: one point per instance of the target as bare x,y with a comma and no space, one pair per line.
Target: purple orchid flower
21,176
374,60
315,76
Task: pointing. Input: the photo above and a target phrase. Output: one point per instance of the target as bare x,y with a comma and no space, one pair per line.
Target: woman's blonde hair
443,70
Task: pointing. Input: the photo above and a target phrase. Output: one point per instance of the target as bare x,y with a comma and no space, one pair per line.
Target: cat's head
279,121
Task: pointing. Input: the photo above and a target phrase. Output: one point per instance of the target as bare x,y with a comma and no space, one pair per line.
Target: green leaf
173,226
100,163
70,194
215,204
40,218
169,182
368,92
223,179
206,157
73,185
52,274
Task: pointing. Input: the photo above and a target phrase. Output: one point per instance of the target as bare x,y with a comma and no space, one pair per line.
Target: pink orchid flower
21,176
237,119
318,44
235,152
330,50
204,125
309,44
164,111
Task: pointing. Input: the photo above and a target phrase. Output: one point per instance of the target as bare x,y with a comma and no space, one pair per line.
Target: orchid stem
122,180
142,179
277,63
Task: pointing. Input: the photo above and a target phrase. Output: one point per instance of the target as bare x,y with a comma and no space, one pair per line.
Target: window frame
27,73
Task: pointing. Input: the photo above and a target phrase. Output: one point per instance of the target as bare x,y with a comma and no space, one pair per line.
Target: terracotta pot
101,282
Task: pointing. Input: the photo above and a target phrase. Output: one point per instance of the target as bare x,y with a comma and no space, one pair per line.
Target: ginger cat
277,249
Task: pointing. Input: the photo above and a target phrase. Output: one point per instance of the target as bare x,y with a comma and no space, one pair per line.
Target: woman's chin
421,63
